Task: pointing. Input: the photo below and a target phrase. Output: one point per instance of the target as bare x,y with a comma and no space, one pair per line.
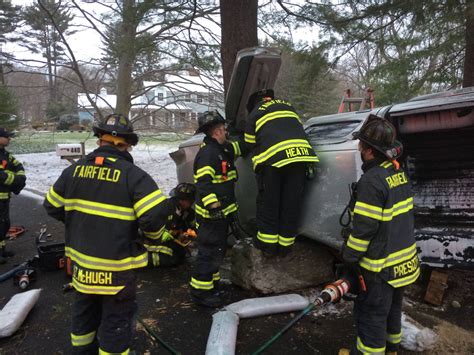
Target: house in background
169,105
104,102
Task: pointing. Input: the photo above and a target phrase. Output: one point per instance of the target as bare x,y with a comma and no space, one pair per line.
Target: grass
43,141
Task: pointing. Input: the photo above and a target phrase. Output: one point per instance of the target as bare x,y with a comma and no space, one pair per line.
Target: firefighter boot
6,254
207,299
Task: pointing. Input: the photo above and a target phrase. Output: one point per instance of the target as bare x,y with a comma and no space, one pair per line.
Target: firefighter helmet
184,191
380,134
258,96
209,119
117,125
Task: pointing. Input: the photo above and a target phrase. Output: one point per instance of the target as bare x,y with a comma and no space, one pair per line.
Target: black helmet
184,191
258,96
380,134
208,119
117,125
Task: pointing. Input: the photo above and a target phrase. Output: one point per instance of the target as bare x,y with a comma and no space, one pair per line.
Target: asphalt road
164,304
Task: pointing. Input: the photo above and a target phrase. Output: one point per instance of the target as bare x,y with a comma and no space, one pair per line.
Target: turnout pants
167,254
212,245
104,323
4,221
378,318
280,192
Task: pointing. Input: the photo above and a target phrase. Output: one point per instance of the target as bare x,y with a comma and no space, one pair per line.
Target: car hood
255,68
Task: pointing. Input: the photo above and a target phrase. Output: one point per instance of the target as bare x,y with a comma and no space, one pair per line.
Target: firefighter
103,200
381,244
170,249
281,156
215,176
12,179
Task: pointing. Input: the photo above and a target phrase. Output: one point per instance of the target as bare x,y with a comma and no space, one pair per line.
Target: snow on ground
42,169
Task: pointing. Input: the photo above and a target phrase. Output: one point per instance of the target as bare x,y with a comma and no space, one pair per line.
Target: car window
333,130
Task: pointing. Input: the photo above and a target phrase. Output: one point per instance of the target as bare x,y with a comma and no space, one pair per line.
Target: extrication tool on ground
25,277
15,231
331,293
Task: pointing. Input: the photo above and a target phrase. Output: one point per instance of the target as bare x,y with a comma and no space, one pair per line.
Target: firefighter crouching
180,229
103,199
381,243
12,179
215,176
281,156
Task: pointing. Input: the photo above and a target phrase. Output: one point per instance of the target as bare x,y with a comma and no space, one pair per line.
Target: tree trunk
127,57
468,75
238,29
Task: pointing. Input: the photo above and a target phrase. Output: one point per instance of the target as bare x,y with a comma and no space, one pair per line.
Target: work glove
310,171
216,214
18,184
166,236
351,272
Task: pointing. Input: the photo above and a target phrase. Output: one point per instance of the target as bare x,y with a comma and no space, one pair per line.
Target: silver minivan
437,131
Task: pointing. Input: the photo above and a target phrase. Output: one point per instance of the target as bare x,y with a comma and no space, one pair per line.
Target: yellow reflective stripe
386,164
15,162
249,138
286,241
211,198
405,281
102,264
236,147
81,340
99,209
394,338
357,244
216,276
103,352
148,202
376,265
308,159
112,159
274,149
20,173
274,115
385,215
4,195
201,285
159,249
95,289
367,349
155,259
267,238
219,179
205,213
154,235
205,170
10,177
54,198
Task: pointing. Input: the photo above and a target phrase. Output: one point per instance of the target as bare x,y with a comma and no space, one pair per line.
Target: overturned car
437,131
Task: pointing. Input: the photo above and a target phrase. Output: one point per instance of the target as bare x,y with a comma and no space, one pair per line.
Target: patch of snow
43,169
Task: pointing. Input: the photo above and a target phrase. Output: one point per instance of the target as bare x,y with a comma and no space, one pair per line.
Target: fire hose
331,293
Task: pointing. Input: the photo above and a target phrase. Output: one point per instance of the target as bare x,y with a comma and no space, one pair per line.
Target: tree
47,20
238,31
8,117
9,19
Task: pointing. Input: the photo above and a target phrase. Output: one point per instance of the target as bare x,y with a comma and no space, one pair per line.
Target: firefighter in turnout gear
281,156
170,249
381,243
215,176
12,179
103,200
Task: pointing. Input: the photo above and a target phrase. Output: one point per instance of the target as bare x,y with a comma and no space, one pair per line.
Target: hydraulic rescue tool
352,282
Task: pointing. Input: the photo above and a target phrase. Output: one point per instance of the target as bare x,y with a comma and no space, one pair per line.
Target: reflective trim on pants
394,338
216,276
286,241
103,352
364,349
82,340
267,238
201,285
